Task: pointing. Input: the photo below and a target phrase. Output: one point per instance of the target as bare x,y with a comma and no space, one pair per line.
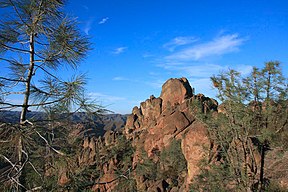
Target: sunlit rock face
157,121
151,128
175,91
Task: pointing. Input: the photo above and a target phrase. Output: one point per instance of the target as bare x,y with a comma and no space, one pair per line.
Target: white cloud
88,26
218,46
119,50
198,70
204,86
244,69
85,7
179,41
204,70
147,55
197,61
106,98
103,20
119,78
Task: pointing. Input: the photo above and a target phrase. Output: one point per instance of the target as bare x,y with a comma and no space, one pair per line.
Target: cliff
151,128
164,143
158,121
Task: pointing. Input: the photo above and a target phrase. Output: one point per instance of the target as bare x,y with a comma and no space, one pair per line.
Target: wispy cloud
85,7
103,20
106,98
196,60
88,26
119,78
218,46
148,55
196,70
119,50
179,41
204,70
199,74
244,69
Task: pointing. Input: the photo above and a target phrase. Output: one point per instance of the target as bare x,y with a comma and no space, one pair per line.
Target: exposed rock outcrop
150,129
155,129
171,116
175,91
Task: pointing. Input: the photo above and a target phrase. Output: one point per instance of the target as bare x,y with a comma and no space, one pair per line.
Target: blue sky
138,45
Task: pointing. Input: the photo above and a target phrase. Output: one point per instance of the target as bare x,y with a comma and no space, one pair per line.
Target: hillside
98,125
165,146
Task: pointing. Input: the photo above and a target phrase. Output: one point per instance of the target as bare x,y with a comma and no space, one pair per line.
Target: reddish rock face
159,120
175,91
63,177
151,127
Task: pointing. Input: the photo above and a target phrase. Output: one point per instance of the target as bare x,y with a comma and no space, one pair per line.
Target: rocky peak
158,121
150,129
175,91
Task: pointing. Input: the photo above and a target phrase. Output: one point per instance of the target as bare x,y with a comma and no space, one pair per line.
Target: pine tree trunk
25,109
28,81
261,179
19,151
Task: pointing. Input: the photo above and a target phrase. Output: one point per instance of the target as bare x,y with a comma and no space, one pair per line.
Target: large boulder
175,91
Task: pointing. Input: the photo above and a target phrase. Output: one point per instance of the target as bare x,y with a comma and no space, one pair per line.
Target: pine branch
35,189
8,107
34,105
14,80
8,160
17,12
13,93
47,143
43,69
8,60
34,168
10,104
14,48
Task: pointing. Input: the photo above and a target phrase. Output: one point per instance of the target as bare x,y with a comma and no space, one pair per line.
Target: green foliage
275,187
217,178
146,167
168,164
36,40
123,151
173,162
126,185
41,39
254,110
120,151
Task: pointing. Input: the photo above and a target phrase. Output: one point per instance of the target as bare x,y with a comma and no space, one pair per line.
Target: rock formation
171,116
151,128
160,135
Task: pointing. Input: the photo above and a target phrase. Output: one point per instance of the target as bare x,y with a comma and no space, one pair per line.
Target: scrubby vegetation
167,165
252,120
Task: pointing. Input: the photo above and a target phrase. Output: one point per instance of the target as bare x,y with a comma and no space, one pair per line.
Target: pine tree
253,111
36,39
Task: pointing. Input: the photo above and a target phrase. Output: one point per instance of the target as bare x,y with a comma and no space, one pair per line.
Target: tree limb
14,80
47,143
42,68
14,48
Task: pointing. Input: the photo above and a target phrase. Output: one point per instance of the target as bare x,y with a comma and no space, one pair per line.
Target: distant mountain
97,125
14,116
